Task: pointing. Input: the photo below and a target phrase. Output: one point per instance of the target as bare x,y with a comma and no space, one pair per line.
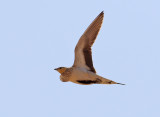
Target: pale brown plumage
83,52
82,71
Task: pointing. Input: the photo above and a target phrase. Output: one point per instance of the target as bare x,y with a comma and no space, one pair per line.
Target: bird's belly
82,77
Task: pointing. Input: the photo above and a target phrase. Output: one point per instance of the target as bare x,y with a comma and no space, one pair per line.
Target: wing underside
83,52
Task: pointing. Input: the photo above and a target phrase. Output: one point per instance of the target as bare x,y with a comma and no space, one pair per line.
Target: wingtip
102,12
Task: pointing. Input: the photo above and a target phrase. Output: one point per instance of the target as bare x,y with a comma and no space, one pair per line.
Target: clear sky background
37,36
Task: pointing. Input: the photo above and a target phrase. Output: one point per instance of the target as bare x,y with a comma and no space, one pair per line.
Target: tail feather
121,84
107,81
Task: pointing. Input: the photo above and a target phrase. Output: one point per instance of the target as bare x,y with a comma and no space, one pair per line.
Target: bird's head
60,69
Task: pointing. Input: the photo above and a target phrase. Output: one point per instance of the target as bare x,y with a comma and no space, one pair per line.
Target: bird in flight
82,71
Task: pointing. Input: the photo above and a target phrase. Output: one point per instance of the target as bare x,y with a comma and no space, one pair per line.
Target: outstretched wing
83,52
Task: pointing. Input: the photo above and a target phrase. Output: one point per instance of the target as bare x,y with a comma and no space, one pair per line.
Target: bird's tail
107,81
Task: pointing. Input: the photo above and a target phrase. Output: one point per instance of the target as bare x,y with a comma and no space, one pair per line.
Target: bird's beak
55,69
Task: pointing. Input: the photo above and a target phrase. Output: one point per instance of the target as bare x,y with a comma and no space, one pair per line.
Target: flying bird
83,71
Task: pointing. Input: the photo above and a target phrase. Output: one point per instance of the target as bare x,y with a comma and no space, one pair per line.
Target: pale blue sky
37,36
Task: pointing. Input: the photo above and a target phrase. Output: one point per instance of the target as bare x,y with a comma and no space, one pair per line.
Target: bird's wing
83,52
